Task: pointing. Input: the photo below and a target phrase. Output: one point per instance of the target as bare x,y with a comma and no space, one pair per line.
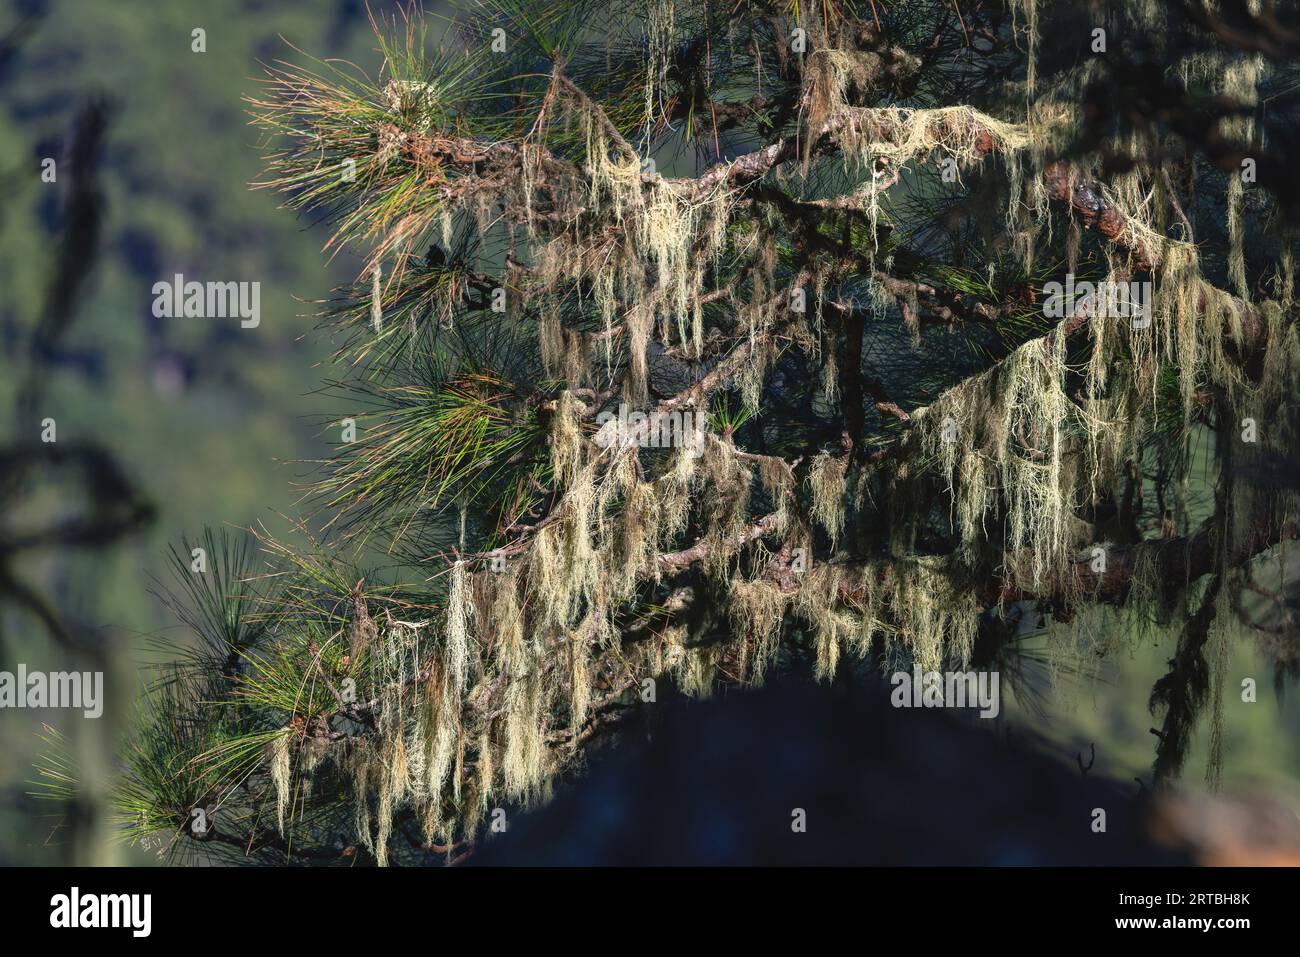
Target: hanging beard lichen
566,440
757,608
456,652
280,777
1240,82
827,479
1037,488
934,614
726,504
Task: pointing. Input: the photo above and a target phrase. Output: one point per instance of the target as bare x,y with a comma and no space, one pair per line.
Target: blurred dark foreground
720,782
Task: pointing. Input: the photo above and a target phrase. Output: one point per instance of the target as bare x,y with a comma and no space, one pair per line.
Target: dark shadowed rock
719,782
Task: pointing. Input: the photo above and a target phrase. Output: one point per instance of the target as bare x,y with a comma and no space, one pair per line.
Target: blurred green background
210,419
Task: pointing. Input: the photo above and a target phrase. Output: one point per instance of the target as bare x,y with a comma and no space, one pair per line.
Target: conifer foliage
832,235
